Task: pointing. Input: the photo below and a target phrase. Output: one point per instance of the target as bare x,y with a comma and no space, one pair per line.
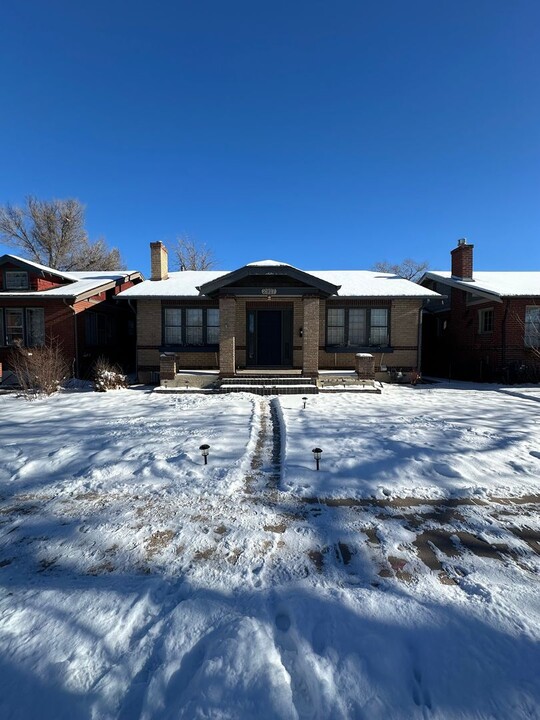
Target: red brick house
268,316
488,328
77,308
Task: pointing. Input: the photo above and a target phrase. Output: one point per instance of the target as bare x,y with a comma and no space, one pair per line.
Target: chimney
160,261
462,261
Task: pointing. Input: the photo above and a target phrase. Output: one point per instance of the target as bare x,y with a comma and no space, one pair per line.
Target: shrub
40,370
108,376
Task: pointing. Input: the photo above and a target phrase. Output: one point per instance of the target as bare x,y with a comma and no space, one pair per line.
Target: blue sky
324,134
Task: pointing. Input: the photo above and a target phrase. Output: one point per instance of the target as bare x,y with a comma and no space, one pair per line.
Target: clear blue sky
325,134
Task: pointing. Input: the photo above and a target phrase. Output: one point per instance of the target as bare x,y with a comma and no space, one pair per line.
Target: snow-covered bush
108,376
40,370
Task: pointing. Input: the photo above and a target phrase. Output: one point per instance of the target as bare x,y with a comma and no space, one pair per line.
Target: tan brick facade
227,337
311,334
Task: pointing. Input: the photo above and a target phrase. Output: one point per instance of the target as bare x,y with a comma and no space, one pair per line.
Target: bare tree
51,232
409,269
188,255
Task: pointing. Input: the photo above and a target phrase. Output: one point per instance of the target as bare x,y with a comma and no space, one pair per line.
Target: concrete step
270,385
266,380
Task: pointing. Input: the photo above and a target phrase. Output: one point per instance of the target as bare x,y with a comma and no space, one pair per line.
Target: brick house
77,308
488,328
271,316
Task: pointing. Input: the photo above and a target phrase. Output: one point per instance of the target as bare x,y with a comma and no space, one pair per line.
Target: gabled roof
30,265
78,285
268,268
491,284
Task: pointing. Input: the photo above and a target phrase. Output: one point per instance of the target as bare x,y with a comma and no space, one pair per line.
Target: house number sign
268,291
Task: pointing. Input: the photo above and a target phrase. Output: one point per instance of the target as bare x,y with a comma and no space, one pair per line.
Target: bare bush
40,370
108,376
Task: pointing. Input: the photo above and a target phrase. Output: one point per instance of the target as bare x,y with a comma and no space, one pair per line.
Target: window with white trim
532,326
191,327
485,321
16,280
357,327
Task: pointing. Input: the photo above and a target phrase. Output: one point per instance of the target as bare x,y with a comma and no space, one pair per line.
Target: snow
83,282
41,268
268,263
354,283
139,583
505,284
365,283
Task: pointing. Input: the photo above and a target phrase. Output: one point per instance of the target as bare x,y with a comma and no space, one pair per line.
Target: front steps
261,385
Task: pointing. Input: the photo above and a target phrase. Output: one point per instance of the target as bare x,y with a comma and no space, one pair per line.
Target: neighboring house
488,328
270,315
76,308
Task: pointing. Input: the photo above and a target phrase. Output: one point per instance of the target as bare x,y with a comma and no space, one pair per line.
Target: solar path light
305,401
204,451
317,452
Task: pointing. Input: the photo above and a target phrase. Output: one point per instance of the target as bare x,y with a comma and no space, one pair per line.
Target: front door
269,337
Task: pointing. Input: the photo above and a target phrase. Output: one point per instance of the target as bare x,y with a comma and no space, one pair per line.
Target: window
173,326
485,321
532,326
35,326
22,327
212,326
16,280
98,328
357,327
14,326
192,327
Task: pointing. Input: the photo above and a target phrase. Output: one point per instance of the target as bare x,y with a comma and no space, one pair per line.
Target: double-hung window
485,321
532,326
22,327
357,327
16,280
191,327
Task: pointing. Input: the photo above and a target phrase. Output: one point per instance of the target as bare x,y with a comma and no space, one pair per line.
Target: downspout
503,333
419,348
136,339
75,336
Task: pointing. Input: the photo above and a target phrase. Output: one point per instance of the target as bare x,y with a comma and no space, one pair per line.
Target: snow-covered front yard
400,581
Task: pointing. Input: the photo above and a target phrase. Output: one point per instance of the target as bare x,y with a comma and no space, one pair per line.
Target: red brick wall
462,352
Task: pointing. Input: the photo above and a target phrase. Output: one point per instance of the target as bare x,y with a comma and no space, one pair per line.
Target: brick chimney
462,261
160,261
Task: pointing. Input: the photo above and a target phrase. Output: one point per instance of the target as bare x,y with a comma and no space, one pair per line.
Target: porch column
310,359
227,336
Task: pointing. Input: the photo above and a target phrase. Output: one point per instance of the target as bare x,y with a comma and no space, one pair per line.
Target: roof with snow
502,284
16,260
340,283
77,284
